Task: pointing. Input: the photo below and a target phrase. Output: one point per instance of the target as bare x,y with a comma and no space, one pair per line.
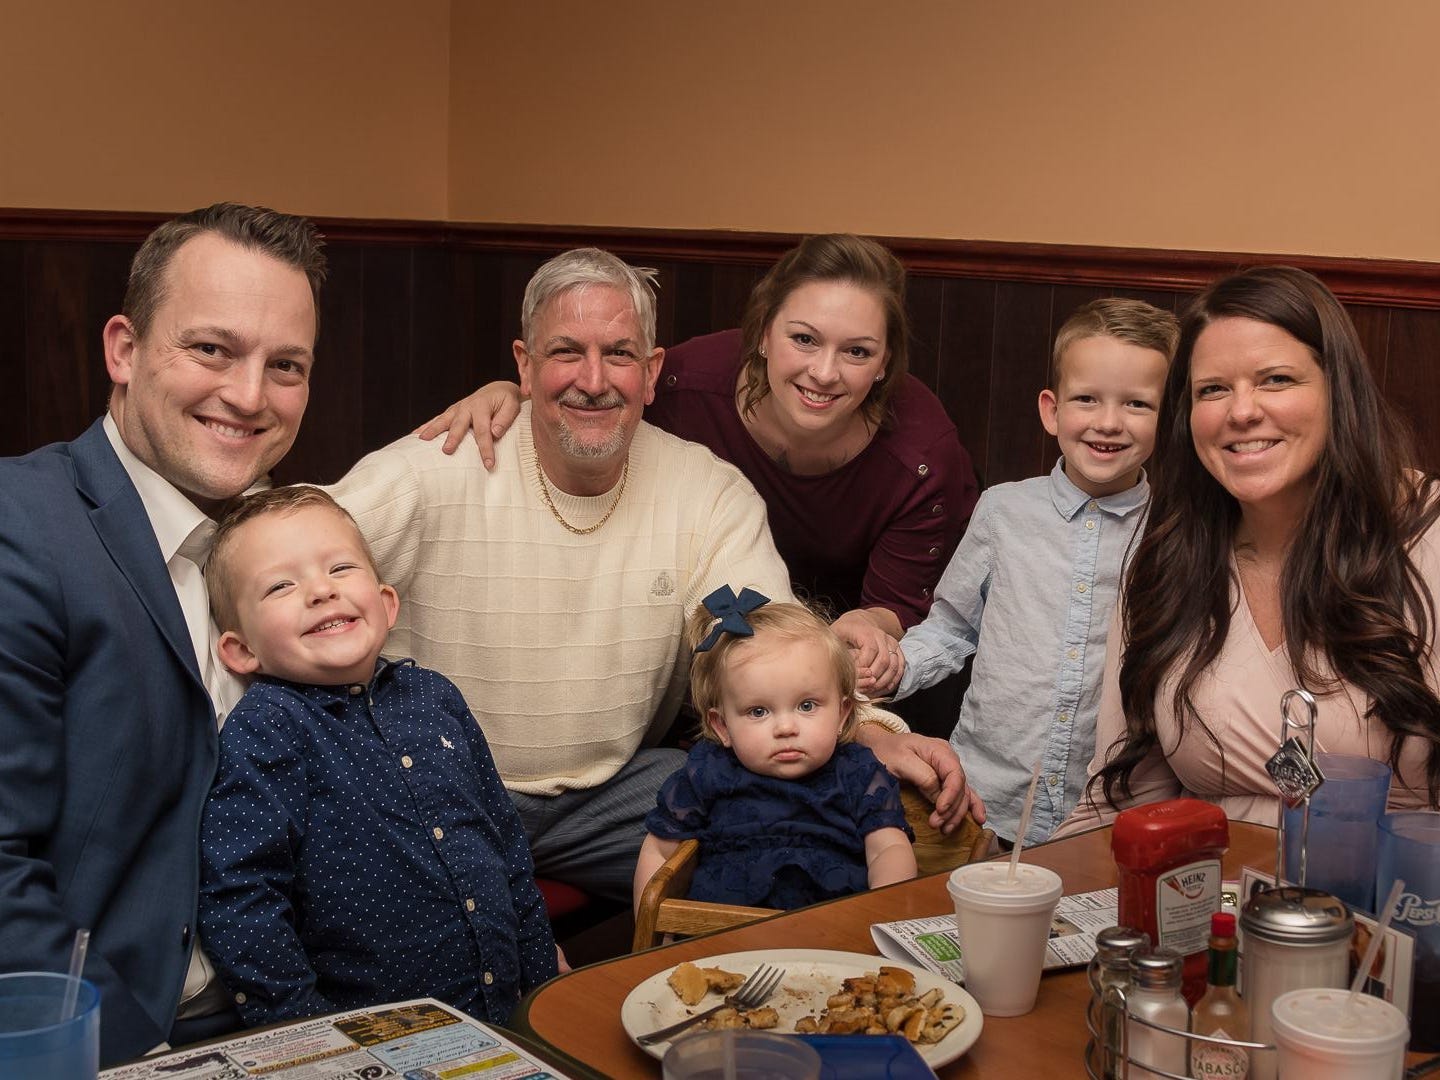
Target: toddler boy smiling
1041,562
358,845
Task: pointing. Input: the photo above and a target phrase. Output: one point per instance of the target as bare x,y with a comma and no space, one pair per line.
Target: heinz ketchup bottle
1168,855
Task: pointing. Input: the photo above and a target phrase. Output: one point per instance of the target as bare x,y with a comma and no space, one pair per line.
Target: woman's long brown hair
1350,593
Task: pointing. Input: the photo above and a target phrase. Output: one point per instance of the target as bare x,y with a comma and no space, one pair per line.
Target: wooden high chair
934,851
664,910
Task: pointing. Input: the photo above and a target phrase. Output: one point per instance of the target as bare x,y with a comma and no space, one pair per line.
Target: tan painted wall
328,107
1251,125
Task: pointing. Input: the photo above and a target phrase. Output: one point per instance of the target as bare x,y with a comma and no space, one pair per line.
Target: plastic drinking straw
1024,823
77,964
1386,914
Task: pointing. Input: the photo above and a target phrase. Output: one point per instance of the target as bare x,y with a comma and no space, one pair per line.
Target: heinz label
1185,898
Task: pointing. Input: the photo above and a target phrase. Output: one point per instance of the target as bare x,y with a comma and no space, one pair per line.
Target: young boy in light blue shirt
1031,588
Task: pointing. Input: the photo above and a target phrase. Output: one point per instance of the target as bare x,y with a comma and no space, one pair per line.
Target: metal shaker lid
1114,944
1158,970
1295,916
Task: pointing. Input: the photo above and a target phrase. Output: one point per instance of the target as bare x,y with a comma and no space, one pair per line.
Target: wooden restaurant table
577,1016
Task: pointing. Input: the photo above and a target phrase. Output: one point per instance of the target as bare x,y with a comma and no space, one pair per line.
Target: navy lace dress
767,842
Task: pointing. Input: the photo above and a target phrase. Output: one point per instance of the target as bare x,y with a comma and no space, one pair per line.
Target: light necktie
187,569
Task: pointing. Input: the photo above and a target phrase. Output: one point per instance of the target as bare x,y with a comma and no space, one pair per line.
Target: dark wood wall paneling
416,314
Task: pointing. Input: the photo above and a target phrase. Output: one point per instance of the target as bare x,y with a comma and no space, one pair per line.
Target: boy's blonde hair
219,583
792,622
1131,321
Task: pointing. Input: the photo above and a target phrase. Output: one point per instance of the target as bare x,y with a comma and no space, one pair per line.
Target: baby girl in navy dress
787,808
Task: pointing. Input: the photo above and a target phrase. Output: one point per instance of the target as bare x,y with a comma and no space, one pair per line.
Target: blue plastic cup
34,1041
1343,815
1410,850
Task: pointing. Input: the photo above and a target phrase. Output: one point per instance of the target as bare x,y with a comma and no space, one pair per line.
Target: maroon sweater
876,532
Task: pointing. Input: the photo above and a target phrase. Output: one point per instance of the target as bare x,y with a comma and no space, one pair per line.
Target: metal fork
750,994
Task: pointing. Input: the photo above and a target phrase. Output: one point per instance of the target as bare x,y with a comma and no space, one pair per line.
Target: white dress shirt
184,534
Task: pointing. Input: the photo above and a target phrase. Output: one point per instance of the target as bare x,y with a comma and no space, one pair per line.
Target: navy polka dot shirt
358,847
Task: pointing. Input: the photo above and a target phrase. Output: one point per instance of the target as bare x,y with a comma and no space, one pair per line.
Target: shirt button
240,999
1089,525
489,979
669,380
469,904
934,551
1064,718
438,833
1053,779
1080,588
405,760
356,690
1093,505
938,508
1073,654
924,592
185,936
923,470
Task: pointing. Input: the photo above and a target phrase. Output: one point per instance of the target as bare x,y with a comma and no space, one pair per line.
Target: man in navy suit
109,695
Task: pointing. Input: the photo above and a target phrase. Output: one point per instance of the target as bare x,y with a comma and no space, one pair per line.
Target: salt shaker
1154,995
1295,939
1111,967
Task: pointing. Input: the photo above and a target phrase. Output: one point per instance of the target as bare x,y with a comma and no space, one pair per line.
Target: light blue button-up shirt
1041,565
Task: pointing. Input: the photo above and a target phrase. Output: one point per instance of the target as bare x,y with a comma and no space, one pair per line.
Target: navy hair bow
731,611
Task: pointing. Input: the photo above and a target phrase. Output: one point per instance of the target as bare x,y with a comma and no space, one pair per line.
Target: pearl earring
762,352
880,377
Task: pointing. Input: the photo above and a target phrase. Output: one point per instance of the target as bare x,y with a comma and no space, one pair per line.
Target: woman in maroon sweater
866,484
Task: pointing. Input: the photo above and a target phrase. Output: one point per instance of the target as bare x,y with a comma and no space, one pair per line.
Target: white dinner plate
811,976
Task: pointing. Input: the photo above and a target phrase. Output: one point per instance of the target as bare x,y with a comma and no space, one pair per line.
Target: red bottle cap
1158,833
1222,924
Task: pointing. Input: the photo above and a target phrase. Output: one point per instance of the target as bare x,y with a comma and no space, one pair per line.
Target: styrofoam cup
1003,928
1318,1038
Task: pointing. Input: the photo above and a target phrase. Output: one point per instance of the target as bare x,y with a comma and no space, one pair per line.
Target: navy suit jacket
107,740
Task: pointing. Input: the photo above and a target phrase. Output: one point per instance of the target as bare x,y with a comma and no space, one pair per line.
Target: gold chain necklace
545,494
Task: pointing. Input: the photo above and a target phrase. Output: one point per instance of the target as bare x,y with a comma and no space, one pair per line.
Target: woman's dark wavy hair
1349,591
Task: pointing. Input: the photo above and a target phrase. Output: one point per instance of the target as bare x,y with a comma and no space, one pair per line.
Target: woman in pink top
1289,543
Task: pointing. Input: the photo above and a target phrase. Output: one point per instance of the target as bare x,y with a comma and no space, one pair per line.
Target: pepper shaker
1110,967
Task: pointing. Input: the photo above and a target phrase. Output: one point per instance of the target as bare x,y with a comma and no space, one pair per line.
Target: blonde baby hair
792,622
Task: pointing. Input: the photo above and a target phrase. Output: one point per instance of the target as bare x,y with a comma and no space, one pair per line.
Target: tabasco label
1215,1060
1185,898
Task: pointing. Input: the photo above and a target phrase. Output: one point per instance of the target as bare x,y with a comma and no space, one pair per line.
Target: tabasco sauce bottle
1220,1012
1168,857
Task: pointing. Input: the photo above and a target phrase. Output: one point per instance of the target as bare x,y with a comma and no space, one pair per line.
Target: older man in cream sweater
553,589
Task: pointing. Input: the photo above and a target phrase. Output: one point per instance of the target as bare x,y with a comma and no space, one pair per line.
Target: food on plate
762,1018
691,983
882,1002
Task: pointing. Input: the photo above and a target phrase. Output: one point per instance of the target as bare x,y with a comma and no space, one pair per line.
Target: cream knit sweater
568,648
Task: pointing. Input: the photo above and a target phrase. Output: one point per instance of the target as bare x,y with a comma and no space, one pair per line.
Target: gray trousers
591,838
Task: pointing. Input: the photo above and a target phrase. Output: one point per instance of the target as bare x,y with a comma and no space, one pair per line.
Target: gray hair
591,266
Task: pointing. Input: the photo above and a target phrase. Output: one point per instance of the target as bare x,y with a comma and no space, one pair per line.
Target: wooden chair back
664,910
934,851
